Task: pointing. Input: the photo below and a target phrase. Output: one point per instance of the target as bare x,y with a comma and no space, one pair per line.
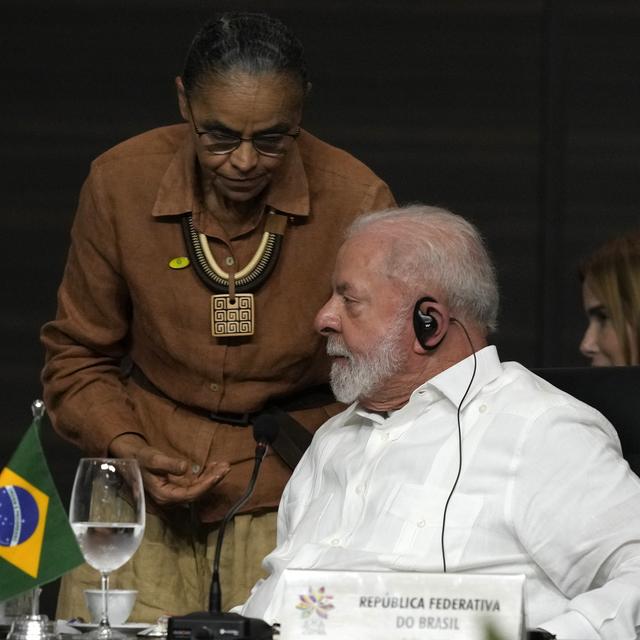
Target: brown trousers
172,568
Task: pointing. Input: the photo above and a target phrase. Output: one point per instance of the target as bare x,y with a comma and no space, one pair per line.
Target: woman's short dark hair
253,43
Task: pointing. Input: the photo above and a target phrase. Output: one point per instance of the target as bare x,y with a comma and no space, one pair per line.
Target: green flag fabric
37,544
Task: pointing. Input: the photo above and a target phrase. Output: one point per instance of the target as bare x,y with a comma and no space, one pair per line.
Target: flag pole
35,602
37,409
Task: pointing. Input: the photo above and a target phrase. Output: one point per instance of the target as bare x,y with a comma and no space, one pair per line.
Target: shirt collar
289,189
287,193
355,413
453,382
450,383
177,191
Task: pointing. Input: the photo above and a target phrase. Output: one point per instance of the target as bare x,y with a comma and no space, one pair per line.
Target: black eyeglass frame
240,140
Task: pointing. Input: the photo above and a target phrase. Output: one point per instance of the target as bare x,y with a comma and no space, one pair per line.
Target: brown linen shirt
120,299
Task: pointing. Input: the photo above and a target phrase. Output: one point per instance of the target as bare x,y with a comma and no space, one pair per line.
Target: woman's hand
167,479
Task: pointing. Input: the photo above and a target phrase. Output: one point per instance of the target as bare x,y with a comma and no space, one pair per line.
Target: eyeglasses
220,143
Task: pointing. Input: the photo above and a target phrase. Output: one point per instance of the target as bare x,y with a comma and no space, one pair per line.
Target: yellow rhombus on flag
37,544
29,507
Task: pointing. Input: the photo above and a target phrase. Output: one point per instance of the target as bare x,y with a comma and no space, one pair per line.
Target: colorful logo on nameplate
232,316
314,607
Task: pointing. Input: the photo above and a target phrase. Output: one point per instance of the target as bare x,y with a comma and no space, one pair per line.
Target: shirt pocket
417,511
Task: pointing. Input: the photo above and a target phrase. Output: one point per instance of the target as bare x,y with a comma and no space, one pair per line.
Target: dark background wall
521,115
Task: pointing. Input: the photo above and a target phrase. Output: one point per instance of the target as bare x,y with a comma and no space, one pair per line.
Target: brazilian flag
37,544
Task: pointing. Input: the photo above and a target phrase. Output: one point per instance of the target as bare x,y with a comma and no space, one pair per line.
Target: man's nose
327,321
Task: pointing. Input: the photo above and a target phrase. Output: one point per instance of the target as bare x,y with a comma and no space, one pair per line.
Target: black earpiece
424,324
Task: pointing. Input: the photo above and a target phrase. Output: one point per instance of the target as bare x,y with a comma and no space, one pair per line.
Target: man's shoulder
333,427
161,142
524,392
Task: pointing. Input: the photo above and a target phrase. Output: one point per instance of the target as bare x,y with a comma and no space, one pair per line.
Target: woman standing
200,254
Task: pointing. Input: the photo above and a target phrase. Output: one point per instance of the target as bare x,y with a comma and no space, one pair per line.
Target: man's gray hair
430,246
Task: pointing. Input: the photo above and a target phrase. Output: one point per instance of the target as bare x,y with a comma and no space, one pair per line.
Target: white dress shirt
543,492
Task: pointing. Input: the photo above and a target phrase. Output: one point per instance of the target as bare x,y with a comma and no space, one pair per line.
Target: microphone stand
207,625
215,595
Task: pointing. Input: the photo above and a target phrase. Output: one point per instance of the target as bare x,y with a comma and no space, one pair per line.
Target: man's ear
430,323
182,99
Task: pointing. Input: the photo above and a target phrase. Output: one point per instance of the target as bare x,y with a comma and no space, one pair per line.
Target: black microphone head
265,428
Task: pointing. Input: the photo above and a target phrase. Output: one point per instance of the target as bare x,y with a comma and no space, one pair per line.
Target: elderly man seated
449,459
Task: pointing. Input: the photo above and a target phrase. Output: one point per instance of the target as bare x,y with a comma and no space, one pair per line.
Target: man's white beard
362,376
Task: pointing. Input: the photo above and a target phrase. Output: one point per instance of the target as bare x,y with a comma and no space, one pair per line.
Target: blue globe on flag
18,515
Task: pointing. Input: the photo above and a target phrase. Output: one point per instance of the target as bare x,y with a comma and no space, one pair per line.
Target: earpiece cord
453,488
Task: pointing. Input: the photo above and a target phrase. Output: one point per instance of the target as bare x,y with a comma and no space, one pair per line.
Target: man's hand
166,479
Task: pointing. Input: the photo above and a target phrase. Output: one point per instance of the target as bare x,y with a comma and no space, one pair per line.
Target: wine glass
107,516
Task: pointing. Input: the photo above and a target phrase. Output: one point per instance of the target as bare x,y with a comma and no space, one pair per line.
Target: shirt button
213,386
359,489
385,437
229,261
335,542
420,524
482,408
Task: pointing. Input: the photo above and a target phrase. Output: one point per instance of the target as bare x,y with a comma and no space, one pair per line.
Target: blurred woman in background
611,297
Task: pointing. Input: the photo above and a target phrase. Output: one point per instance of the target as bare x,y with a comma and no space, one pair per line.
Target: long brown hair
613,275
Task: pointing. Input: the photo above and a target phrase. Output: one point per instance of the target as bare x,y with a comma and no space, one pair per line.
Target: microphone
265,430
206,625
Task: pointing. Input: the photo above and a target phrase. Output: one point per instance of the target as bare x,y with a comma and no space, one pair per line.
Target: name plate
378,605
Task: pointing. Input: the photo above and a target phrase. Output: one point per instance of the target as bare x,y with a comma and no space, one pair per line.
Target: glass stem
104,586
